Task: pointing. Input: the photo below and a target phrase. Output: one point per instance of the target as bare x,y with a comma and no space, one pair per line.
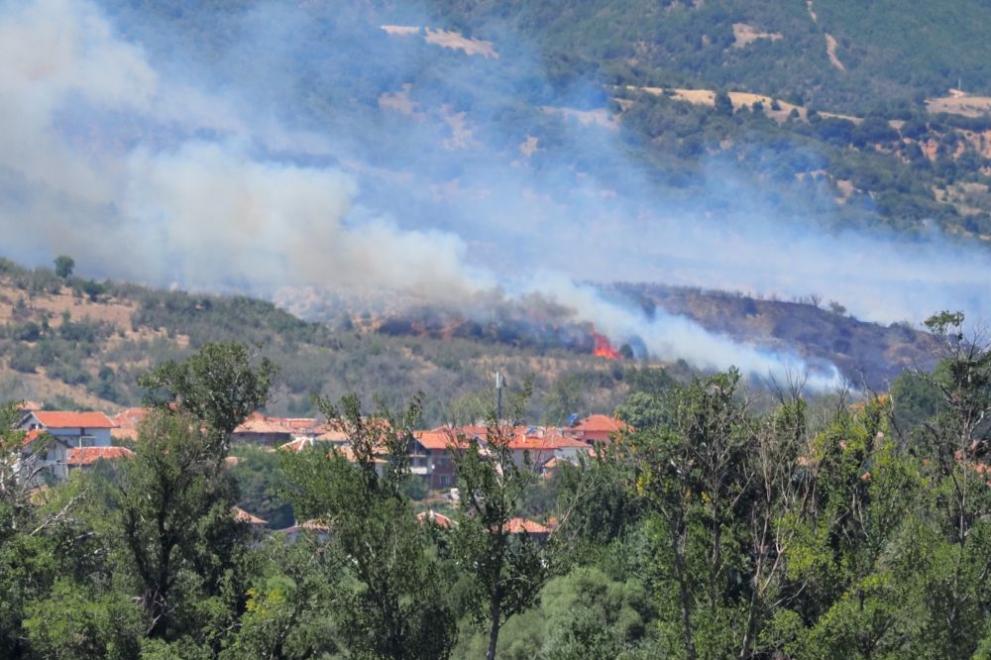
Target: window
87,441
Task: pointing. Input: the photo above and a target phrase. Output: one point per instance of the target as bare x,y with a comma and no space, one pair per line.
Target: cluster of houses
75,440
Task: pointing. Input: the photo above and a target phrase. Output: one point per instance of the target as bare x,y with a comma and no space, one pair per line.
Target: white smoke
201,213
666,334
143,174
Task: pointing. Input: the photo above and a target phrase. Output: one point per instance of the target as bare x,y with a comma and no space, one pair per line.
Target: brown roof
79,456
521,525
58,419
259,423
31,436
442,438
600,424
333,436
543,440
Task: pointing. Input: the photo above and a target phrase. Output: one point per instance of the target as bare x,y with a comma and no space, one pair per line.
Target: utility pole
498,384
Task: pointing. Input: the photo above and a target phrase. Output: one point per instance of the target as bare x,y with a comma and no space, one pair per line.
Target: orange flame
603,348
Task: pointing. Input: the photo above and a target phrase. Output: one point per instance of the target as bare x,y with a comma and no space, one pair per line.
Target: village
59,442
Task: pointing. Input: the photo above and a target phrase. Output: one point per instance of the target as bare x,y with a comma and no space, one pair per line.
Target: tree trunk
686,597
495,614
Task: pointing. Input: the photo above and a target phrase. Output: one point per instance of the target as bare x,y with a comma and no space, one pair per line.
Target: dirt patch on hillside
53,306
457,41
966,106
449,39
776,109
39,387
744,35
846,189
831,47
969,199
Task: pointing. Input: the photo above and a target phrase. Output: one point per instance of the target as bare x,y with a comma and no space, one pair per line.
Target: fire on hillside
603,348
516,329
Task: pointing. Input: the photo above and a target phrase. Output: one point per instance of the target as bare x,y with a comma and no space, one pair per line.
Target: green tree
507,569
723,103
691,472
396,606
288,613
64,266
219,385
177,536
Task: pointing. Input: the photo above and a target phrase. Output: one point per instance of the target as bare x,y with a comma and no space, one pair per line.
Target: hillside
868,354
80,343
851,57
84,344
851,116
451,147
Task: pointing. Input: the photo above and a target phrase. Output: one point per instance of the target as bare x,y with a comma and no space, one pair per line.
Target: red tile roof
57,419
333,436
31,436
79,456
544,440
521,525
600,424
443,438
263,424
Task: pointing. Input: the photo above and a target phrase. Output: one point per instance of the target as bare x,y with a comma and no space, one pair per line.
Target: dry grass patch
965,105
744,35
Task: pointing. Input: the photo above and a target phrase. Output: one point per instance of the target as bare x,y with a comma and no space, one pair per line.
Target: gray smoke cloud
421,170
101,159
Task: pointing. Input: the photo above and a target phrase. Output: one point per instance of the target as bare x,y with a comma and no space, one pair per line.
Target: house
432,454
315,528
597,429
260,429
83,458
62,432
329,439
535,446
73,429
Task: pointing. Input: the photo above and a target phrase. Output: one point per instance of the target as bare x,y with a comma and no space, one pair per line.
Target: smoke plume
316,148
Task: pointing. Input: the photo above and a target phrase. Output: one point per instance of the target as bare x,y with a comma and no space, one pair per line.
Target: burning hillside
866,353
520,326
603,348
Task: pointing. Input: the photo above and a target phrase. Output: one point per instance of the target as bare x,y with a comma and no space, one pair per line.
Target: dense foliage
716,528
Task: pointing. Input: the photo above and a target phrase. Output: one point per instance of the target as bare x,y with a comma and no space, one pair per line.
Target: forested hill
884,105
77,343
850,114
853,57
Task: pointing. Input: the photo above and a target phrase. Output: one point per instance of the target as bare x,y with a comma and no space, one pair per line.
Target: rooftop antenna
498,384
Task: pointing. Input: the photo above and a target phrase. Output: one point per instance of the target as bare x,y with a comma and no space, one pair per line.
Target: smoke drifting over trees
310,147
